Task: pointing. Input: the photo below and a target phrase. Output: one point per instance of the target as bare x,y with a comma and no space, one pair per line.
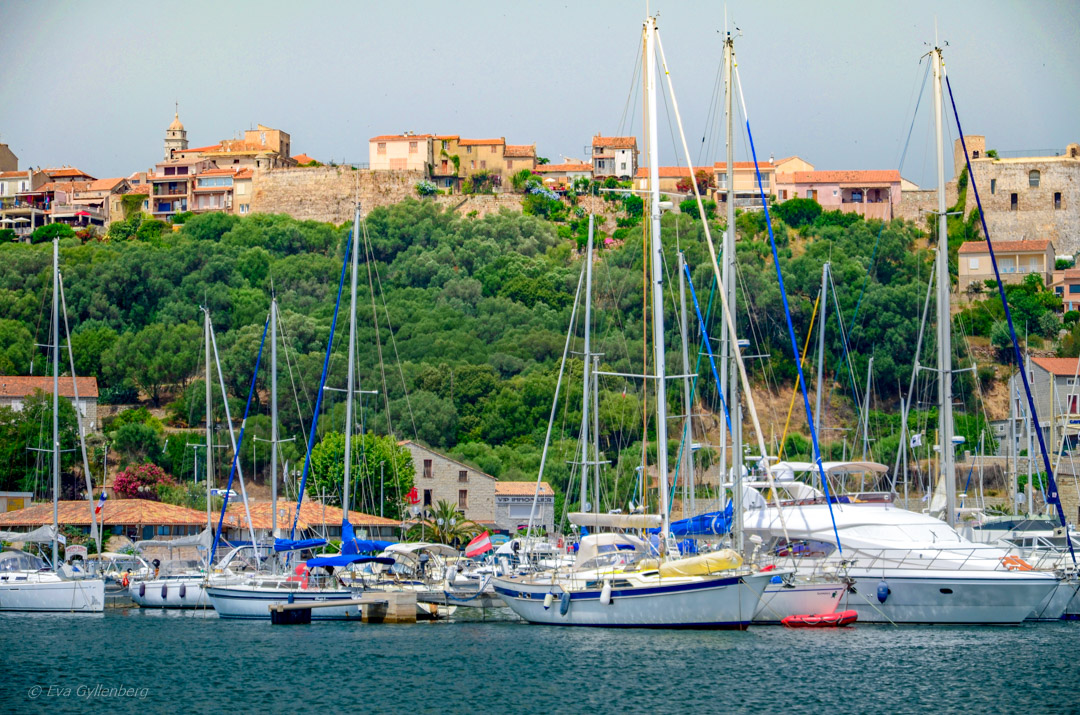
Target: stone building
440,478
514,504
175,137
614,156
14,389
8,160
401,152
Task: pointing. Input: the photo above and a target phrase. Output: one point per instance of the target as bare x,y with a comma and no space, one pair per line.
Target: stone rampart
329,193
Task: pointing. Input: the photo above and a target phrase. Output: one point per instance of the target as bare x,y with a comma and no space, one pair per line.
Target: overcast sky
92,84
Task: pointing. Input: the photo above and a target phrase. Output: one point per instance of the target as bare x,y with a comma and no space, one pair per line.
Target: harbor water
129,660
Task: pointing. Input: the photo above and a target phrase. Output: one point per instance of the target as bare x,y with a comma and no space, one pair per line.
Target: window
241,189
170,171
1033,178
427,469
382,148
993,186
427,497
468,150
472,163
973,264
1072,404
181,170
463,476
783,194
463,498
243,208
1070,381
975,154
412,147
509,163
622,166
1057,200
1074,288
1012,202
483,164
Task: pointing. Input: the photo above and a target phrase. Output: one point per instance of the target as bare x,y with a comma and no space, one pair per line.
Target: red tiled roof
312,513
666,172
481,142
212,147
115,512
1057,366
302,159
23,385
446,137
520,150
12,174
245,173
615,142
522,489
1071,274
1038,244
559,168
890,176
400,137
66,173
227,171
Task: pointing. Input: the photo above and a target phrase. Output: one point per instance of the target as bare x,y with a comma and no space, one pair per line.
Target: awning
615,521
203,539
42,534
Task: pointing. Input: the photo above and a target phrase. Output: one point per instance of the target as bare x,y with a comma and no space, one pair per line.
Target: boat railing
951,559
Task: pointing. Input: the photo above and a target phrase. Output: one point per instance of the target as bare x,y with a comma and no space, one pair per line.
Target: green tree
374,459
50,231
797,212
445,524
156,357
16,348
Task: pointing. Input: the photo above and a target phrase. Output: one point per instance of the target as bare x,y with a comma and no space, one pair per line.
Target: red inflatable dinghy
825,620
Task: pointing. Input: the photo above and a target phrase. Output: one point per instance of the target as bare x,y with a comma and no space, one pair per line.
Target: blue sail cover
348,559
714,523
297,544
350,544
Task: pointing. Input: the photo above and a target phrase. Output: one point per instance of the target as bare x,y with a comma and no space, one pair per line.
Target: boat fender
605,594
548,600
883,591
564,603
142,590
183,590
164,590
776,579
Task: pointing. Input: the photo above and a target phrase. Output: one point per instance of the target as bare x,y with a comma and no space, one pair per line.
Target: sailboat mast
728,347
821,347
208,479
56,399
273,418
688,398
586,374
866,410
657,278
352,364
944,315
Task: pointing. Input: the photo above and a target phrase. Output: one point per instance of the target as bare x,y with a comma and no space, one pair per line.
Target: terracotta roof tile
481,142
22,385
666,172
68,172
615,142
302,159
105,184
400,137
522,151
13,174
1057,366
115,512
1038,244
201,149
559,168
312,514
522,489
890,176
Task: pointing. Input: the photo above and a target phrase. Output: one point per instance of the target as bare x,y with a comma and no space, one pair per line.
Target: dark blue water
154,661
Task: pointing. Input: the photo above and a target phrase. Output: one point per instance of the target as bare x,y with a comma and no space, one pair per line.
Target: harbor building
15,389
316,520
440,478
514,504
136,519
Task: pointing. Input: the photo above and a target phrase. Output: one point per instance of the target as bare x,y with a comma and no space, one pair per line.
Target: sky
93,85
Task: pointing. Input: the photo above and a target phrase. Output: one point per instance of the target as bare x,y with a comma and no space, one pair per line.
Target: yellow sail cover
702,564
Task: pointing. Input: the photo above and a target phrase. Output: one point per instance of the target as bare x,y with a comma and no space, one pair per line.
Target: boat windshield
12,560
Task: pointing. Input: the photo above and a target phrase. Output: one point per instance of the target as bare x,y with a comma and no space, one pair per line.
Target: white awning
616,521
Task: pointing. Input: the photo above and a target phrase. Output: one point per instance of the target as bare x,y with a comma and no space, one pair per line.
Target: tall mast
586,375
352,364
56,399
944,315
866,410
596,432
657,278
273,418
824,305
688,399
209,476
728,348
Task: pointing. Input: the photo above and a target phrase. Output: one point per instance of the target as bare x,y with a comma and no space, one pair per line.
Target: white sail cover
204,538
615,521
42,534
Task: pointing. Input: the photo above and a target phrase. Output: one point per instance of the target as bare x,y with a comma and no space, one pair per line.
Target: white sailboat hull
253,602
800,598
728,602
45,591
170,593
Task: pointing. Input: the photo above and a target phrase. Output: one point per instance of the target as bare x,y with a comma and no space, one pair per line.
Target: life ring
1015,563
124,581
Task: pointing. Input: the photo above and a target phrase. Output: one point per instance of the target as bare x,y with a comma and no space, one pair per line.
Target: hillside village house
1025,197
518,157
614,156
440,478
871,194
563,175
15,389
1067,286
1016,260
670,176
747,193
1055,389
401,152
514,504
172,185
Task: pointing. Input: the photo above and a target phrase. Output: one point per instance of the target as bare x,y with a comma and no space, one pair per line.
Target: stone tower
976,146
175,137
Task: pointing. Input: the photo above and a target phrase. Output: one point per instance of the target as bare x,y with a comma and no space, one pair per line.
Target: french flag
100,503
481,544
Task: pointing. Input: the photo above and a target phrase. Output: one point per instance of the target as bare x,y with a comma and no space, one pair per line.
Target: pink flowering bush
140,482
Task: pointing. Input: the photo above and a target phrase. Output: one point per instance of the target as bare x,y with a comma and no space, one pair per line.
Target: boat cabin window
20,561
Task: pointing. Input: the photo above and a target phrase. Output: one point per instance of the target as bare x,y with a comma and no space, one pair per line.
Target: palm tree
445,525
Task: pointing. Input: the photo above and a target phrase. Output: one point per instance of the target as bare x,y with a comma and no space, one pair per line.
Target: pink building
871,194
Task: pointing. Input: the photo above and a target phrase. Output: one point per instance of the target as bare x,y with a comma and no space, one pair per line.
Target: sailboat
907,567
26,582
618,579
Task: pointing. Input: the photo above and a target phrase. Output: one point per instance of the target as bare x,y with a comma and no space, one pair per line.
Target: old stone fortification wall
916,206
328,193
482,204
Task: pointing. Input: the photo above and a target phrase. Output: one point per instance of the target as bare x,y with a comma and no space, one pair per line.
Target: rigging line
844,342
1052,496
710,115
322,386
632,92
798,378
914,115
787,317
292,379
